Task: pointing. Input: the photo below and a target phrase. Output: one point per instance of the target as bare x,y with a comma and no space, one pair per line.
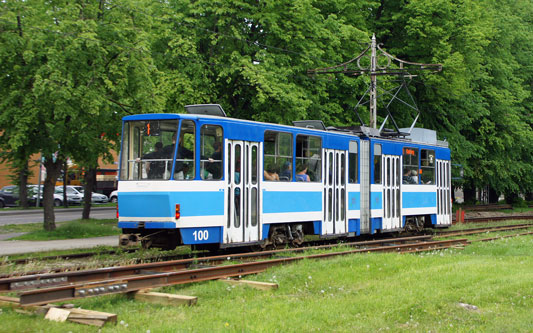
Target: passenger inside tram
286,174
301,173
270,173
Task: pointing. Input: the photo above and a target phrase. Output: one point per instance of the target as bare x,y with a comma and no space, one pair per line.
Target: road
13,216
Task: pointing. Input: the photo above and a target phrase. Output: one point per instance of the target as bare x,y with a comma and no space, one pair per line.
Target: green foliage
71,70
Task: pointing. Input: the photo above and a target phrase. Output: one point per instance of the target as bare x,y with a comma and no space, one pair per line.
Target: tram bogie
215,182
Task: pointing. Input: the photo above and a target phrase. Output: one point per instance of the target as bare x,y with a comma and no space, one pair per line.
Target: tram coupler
126,240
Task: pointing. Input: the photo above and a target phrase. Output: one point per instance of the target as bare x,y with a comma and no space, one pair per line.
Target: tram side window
308,158
211,152
410,166
184,169
377,163
353,163
277,157
427,170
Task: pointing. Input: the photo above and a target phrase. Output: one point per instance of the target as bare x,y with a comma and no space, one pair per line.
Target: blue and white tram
215,182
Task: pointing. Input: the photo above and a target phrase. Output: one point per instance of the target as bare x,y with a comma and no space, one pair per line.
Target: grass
368,293
68,230
27,227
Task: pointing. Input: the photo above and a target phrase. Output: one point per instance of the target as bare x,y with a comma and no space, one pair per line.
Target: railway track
52,287
168,257
81,255
489,207
496,218
453,233
46,288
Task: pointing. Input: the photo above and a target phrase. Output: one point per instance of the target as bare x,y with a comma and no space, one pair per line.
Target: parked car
95,197
9,196
113,197
58,198
73,196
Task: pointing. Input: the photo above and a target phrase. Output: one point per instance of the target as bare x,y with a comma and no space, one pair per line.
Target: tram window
343,169
410,166
352,163
148,149
211,152
254,165
277,158
254,206
427,169
184,169
309,155
377,163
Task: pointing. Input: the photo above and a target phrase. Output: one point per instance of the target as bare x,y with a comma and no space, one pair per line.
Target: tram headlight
178,214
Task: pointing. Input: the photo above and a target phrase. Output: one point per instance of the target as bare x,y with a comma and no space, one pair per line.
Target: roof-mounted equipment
206,109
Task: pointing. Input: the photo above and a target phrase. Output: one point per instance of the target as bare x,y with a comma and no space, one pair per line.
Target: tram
203,179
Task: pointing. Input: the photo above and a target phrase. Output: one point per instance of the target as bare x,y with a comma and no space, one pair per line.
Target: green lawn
368,293
65,230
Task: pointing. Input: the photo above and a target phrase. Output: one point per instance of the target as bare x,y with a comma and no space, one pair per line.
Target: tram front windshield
148,149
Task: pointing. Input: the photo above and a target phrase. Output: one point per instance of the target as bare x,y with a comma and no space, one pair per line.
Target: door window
377,163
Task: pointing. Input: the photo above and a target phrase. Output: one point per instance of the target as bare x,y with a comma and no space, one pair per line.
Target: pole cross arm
378,62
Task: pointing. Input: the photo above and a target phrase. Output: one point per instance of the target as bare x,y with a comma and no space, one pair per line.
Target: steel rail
500,237
495,218
23,282
443,232
23,261
149,279
481,230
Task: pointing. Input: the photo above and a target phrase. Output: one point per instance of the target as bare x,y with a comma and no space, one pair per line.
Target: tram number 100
200,235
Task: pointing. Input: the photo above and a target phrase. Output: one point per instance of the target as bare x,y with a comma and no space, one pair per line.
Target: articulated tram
209,181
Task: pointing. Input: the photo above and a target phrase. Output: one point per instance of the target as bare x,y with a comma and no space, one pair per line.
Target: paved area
4,237
19,216
8,247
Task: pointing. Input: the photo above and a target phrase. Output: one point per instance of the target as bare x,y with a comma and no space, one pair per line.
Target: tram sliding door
242,183
444,200
334,192
391,192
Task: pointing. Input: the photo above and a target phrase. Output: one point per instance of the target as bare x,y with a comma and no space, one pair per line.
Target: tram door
242,183
444,201
391,192
334,192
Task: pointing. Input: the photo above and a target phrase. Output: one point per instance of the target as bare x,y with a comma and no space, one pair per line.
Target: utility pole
401,68
373,84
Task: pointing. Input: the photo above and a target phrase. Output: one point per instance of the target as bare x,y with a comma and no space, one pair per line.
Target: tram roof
417,137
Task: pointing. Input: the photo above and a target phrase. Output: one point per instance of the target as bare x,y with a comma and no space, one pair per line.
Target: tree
480,102
90,63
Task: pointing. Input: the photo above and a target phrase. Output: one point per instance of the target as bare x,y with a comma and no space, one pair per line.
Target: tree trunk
89,180
493,196
469,193
53,169
23,185
65,197
511,198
